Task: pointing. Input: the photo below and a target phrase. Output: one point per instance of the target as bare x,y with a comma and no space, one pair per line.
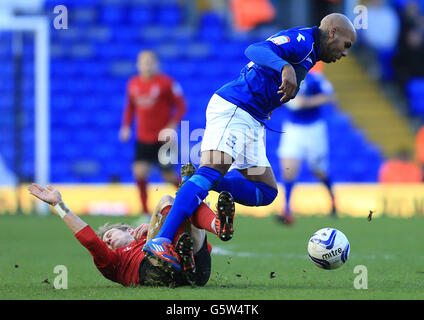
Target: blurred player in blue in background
305,136
236,116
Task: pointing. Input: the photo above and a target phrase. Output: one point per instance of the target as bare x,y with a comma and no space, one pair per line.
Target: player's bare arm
288,83
53,197
314,101
124,133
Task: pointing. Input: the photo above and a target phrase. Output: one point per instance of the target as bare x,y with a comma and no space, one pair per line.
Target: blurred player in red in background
156,102
117,249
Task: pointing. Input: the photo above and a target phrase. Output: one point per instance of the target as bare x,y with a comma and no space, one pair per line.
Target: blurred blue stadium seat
170,50
170,16
112,14
142,15
74,3
415,90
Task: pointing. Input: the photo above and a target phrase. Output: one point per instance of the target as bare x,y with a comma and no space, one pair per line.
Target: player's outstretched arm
53,197
317,100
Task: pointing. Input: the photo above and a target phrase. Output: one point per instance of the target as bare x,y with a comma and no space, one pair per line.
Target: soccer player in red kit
156,102
117,249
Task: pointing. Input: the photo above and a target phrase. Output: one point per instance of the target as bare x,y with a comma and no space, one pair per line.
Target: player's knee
165,201
289,175
169,174
217,160
265,194
141,170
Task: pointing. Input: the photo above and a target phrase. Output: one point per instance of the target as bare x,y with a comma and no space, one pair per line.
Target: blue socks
188,198
288,190
195,190
242,190
268,193
329,185
246,192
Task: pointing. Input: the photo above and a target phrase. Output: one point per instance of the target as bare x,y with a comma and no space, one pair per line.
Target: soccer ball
328,248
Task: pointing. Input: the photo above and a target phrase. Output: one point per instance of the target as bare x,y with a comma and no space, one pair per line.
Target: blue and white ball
328,248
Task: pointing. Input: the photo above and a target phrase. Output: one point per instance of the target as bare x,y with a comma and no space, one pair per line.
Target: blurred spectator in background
156,102
400,169
196,8
305,136
408,61
419,147
248,14
382,20
320,8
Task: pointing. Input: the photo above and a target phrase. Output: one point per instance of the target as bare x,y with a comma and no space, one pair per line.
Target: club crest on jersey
280,40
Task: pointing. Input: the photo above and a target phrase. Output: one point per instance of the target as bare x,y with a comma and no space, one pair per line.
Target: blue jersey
314,83
256,88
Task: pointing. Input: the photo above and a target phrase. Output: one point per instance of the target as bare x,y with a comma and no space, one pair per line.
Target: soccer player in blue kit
235,118
305,137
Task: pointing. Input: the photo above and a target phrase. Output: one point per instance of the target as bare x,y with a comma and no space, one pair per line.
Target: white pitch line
220,251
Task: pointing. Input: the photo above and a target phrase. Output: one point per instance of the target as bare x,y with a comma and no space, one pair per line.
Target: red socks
142,188
202,218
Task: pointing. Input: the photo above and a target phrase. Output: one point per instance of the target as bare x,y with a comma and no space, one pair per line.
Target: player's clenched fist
288,83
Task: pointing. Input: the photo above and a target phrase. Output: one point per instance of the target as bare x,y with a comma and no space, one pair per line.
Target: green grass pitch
264,261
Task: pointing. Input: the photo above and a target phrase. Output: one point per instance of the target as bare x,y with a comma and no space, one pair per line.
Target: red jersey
120,265
154,103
